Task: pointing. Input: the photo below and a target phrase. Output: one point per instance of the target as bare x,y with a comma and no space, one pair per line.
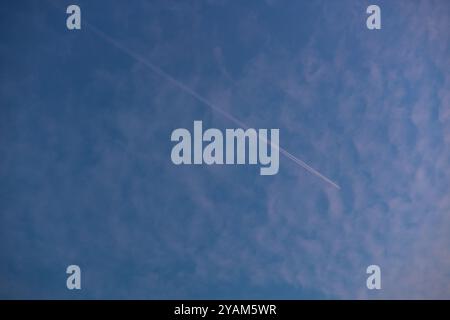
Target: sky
86,176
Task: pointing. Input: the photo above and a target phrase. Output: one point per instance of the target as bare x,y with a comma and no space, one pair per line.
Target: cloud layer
85,151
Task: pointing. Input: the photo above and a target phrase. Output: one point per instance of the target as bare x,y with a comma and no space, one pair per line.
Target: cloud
87,177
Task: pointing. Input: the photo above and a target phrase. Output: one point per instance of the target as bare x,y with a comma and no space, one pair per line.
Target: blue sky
85,170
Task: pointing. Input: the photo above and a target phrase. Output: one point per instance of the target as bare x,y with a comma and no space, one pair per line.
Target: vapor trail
200,98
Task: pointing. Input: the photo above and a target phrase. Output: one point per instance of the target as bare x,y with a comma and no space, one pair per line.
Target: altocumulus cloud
85,152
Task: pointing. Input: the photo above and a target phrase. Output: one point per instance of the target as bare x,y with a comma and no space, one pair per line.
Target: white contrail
200,98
